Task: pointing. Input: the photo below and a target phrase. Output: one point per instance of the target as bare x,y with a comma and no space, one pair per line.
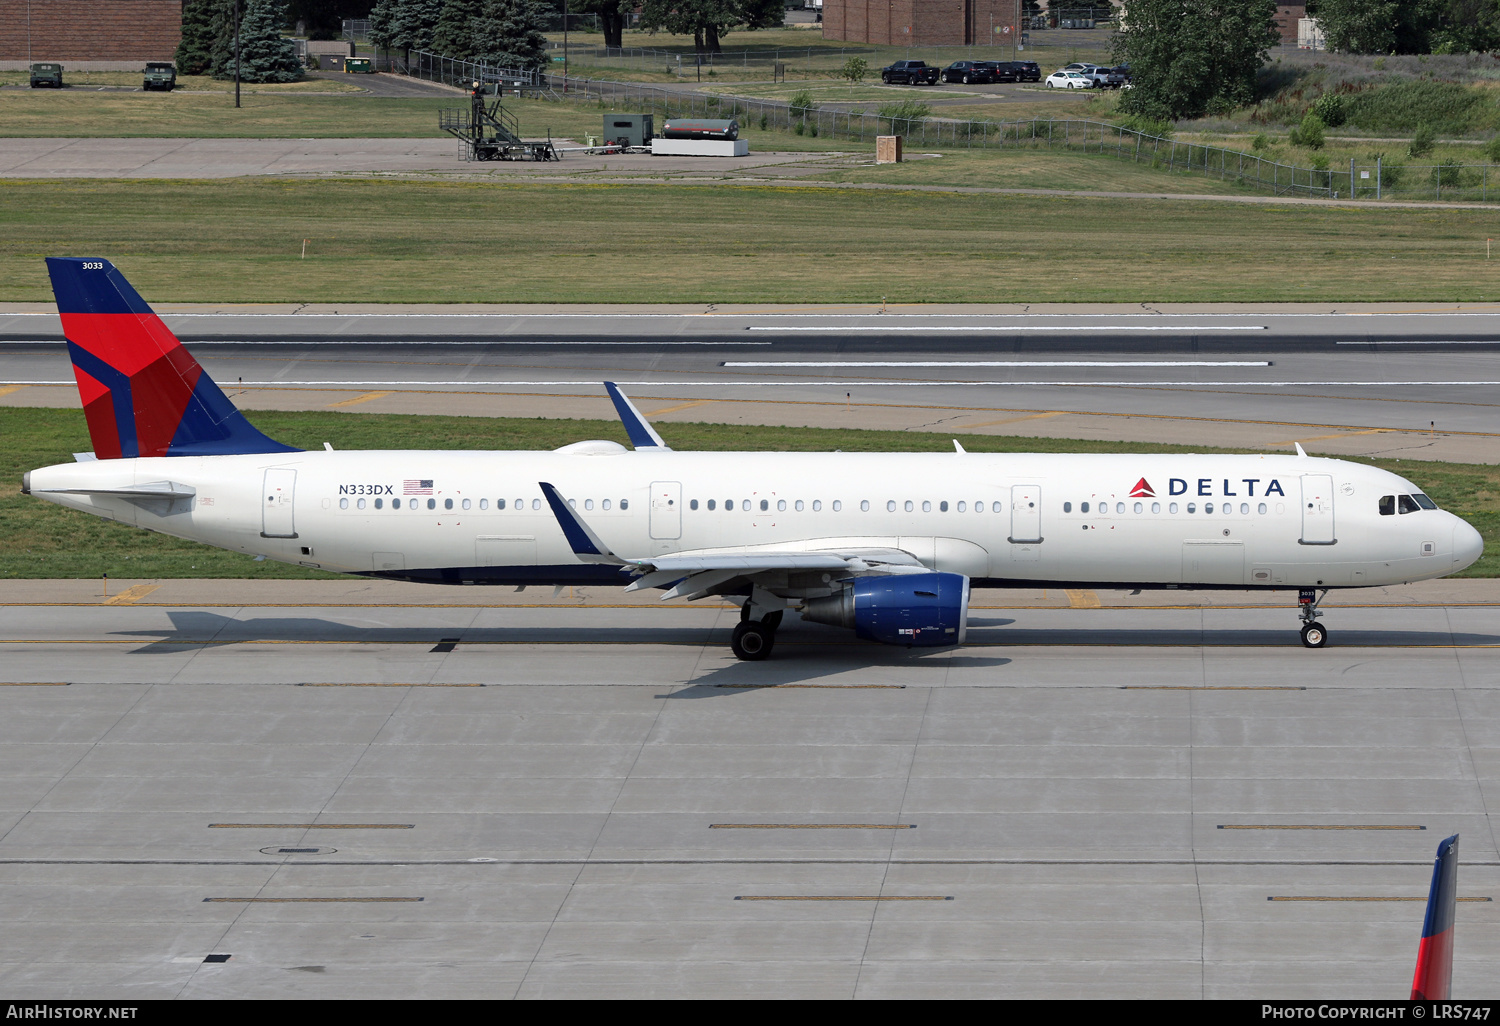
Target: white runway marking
827,383
1013,327
999,363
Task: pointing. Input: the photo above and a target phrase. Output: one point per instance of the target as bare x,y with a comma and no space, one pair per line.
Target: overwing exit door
666,509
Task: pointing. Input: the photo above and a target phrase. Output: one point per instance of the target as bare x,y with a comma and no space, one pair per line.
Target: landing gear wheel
1314,635
752,641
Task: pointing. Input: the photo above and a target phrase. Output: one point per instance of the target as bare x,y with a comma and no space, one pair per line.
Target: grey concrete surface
589,796
1372,380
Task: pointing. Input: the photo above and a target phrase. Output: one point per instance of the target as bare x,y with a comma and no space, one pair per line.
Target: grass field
39,540
1038,169
237,240
83,80
874,94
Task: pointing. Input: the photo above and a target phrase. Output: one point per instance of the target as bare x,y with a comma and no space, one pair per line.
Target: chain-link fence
1446,180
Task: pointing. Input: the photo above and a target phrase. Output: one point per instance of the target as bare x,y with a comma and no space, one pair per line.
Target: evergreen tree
404,24
195,54
1410,26
266,54
508,34
1190,60
453,35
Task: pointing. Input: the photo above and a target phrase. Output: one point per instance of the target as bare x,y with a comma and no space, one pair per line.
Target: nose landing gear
1314,634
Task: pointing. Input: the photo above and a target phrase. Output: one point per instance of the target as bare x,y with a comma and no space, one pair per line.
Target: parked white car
1069,80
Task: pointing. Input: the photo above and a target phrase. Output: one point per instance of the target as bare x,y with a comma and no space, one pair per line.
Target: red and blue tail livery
1434,976
143,393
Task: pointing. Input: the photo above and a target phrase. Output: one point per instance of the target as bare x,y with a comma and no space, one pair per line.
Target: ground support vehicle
909,73
46,74
160,75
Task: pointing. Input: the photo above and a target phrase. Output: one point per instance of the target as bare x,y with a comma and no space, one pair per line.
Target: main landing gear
1314,634
753,640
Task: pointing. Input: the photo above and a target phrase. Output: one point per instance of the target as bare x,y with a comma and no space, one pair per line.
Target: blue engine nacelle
901,609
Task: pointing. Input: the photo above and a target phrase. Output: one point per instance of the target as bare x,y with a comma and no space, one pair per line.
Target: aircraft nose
1468,544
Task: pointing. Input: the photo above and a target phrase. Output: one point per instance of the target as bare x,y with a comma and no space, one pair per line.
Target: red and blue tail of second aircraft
143,393
1434,976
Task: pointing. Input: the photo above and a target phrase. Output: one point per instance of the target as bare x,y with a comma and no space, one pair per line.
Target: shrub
1405,106
1261,142
1309,133
1448,172
1320,175
1147,126
764,120
1330,109
902,114
1422,141
854,70
1493,150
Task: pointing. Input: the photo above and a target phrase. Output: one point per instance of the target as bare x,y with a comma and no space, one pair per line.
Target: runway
1379,380
362,789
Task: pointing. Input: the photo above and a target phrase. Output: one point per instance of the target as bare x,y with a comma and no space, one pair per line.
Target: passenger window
1208,507
780,505
926,506
1140,507
890,506
520,505
624,503
1156,507
605,504
963,507
764,505
589,504
908,506
1172,507
943,506
979,506
1387,505
799,505
864,505
536,503
1407,504
1083,507
1067,507
361,503
1193,507
447,504
818,505
467,504
692,503
728,505
343,504
379,501
1261,508
745,505
995,508
485,503
1244,509
1424,501
1119,507
499,503
712,505
838,504
395,504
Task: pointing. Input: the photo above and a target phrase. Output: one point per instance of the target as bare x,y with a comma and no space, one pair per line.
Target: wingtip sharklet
1433,979
642,434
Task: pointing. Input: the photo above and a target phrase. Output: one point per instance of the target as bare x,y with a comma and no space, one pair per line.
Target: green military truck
46,74
160,75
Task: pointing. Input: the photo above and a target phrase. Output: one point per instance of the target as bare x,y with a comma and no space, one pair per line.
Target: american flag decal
416,486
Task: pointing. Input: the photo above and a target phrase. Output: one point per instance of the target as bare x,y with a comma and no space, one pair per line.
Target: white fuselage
1213,521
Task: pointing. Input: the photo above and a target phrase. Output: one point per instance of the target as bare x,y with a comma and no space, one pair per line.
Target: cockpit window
1424,501
1408,504
1387,505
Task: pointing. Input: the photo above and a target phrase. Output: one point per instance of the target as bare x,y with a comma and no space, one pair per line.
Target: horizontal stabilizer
160,497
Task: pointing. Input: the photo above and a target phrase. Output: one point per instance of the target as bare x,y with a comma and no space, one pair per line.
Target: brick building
1287,16
88,34
921,22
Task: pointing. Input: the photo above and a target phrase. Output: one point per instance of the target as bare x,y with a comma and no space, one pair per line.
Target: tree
324,19
200,25
453,35
708,21
405,25
854,70
612,14
1191,60
1410,26
508,33
266,54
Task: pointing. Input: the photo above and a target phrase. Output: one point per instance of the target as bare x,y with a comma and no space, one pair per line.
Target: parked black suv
909,73
1028,71
969,71
1005,71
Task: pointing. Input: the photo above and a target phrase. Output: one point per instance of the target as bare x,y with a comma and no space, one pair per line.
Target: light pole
565,45
236,54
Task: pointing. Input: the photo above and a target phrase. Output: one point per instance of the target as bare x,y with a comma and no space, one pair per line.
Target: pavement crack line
205,645
1193,851
885,873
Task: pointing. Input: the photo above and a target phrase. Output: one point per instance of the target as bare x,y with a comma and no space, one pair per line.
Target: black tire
966,80
1314,635
886,79
751,641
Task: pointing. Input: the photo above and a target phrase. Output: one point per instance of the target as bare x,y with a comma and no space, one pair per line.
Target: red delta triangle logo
1142,490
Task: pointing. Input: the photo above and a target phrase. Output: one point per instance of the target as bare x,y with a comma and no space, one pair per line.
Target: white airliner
888,544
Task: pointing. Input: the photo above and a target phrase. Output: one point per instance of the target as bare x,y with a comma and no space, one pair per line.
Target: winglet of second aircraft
642,434
1434,976
586,545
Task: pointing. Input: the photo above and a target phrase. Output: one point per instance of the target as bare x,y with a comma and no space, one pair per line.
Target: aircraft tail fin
143,394
1434,975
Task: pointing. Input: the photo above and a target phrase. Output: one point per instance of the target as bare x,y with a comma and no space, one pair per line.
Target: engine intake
926,610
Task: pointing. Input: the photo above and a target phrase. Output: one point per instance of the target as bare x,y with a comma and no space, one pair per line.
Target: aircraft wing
695,573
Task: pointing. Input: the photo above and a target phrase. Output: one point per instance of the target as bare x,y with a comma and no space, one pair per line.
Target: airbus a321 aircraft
887,544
